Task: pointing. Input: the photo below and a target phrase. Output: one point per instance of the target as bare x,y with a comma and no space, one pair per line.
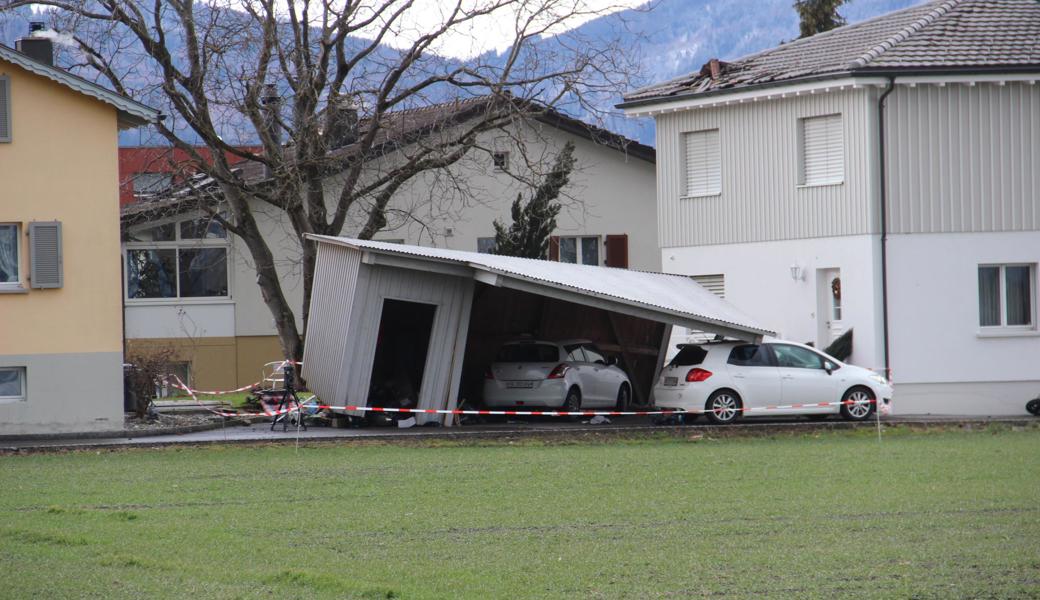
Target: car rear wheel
858,404
723,407
624,398
572,403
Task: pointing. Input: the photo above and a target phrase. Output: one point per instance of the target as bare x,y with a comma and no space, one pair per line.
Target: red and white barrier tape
245,388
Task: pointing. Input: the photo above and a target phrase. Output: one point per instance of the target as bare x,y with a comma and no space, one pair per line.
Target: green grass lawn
922,515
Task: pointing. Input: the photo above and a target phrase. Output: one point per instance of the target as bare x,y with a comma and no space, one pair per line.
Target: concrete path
261,432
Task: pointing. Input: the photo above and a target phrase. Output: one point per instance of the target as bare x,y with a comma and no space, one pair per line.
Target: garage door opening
401,349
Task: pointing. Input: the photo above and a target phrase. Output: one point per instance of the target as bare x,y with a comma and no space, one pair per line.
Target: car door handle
738,376
787,377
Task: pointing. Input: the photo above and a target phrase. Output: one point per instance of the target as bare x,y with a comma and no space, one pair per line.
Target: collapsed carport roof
672,299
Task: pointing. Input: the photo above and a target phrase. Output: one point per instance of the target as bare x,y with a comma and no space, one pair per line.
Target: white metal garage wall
335,280
452,295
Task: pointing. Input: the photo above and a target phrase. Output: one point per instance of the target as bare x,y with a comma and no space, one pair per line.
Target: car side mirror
829,367
612,361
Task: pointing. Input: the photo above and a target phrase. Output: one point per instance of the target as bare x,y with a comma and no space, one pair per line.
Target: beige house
190,286
61,348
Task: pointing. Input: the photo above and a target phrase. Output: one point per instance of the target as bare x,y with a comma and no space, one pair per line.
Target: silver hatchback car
569,375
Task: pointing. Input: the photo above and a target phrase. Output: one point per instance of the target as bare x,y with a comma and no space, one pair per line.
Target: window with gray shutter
703,163
822,151
45,254
5,109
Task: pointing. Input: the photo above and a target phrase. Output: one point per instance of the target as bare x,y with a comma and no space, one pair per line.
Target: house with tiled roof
61,348
191,287
882,177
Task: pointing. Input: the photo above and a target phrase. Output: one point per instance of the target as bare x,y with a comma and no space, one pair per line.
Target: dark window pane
1019,295
689,356
749,355
593,355
8,253
574,353
10,383
203,272
527,353
485,245
569,250
989,296
151,273
590,251
798,358
204,228
159,233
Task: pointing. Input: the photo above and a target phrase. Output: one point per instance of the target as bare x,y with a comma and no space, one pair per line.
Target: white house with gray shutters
884,177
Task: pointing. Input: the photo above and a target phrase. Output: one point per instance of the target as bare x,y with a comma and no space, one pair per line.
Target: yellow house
60,309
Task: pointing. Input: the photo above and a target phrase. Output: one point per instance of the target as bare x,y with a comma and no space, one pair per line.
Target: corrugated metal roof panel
669,295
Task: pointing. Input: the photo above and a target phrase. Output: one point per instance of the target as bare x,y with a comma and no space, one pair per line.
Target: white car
728,380
570,375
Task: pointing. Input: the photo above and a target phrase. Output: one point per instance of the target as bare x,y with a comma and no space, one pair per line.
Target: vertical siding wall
761,199
332,299
378,283
964,158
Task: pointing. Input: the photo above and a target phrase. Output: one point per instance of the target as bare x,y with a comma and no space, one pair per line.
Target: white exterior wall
758,280
609,193
761,198
942,362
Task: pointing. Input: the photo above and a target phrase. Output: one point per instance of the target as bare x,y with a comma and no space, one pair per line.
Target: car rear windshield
526,353
688,356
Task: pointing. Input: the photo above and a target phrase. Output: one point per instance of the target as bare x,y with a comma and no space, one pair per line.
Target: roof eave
130,111
642,102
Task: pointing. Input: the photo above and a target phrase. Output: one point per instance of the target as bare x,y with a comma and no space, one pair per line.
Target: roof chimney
272,104
35,46
341,126
714,67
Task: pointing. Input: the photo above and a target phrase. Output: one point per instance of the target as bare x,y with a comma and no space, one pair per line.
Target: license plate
671,381
520,384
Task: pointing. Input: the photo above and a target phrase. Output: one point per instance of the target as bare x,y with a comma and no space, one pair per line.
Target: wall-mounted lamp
796,272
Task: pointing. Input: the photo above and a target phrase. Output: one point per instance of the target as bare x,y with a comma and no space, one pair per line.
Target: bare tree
327,87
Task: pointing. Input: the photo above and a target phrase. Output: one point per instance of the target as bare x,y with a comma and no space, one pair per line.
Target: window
485,245
5,109
593,355
703,163
796,357
750,355
9,260
688,356
1007,295
579,250
527,353
500,160
715,284
821,155
185,259
152,183
836,299
12,383
574,353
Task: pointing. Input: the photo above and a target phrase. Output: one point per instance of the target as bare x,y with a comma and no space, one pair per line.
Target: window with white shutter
45,254
822,151
715,284
5,109
703,163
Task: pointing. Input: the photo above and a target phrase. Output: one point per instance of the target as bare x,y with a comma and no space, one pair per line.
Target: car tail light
697,375
558,372
489,374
